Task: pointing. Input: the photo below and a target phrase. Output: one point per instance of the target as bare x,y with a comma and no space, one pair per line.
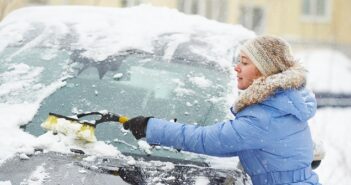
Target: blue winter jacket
272,138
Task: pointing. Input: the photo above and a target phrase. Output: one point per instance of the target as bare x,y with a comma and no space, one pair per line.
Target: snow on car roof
106,31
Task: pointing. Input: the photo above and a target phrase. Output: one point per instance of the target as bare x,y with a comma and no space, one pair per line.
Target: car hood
56,168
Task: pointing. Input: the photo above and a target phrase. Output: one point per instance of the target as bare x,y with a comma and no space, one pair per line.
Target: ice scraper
77,127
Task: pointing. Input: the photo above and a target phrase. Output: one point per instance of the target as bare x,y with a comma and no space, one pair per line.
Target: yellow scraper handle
122,119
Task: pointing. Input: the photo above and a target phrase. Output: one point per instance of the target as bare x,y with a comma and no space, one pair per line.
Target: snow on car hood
101,32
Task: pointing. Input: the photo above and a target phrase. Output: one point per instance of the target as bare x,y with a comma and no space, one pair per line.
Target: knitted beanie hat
270,54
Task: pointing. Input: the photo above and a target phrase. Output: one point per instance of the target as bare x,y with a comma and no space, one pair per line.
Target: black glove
137,126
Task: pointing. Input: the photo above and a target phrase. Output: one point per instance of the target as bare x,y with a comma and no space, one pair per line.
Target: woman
270,133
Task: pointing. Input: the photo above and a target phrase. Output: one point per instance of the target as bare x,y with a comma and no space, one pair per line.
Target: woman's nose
236,68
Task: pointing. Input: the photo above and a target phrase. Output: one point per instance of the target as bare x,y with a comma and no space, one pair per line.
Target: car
133,61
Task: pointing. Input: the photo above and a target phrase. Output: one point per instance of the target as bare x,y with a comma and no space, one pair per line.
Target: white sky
328,69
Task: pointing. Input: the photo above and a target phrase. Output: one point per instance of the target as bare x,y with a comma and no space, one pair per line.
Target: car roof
104,32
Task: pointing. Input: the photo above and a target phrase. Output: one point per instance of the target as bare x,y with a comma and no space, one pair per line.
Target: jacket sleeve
246,131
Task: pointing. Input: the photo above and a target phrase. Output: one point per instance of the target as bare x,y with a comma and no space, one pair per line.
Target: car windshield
130,84
181,73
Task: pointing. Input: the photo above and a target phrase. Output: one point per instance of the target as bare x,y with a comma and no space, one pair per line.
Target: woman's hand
137,126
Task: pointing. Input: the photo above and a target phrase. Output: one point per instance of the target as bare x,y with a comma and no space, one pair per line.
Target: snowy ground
333,127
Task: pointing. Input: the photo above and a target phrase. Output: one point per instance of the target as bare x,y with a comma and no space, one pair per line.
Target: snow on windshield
200,81
101,32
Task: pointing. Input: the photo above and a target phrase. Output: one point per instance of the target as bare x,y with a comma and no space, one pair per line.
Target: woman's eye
244,63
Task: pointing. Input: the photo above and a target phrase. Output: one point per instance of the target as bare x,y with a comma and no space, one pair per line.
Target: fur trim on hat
265,86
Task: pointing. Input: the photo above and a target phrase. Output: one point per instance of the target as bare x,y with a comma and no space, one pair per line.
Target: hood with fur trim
265,86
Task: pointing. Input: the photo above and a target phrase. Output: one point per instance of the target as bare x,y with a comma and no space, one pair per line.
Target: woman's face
246,72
